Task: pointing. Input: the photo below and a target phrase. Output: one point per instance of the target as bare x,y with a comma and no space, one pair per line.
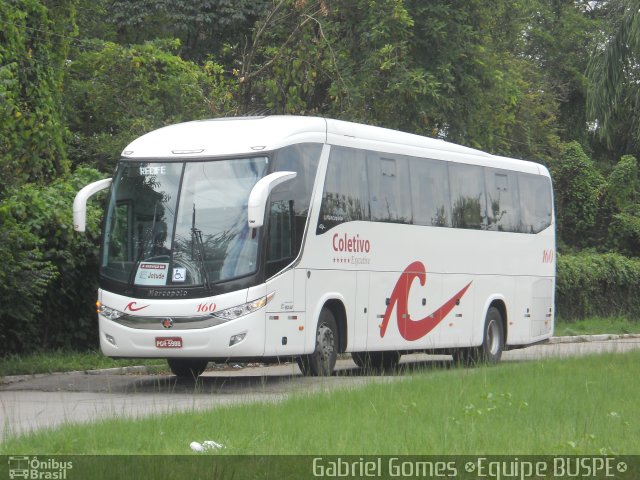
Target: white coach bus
298,237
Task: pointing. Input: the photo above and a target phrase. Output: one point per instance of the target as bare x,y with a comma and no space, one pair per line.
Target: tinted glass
430,192
502,200
535,201
139,222
213,238
468,201
345,197
290,203
389,188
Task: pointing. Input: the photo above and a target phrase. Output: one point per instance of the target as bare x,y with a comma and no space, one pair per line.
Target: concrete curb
593,338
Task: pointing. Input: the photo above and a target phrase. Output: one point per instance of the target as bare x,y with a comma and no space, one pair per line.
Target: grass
582,405
596,325
65,361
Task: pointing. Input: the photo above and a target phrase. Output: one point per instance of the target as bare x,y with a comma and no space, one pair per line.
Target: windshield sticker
179,274
153,170
152,273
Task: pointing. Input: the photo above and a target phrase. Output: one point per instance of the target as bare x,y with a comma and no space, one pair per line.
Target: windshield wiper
197,250
143,247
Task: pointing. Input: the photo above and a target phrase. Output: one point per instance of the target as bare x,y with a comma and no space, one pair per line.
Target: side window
389,188
430,192
535,202
468,202
289,204
345,195
503,206
282,230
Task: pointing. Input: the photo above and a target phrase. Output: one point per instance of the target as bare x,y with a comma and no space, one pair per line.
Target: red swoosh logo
415,329
131,307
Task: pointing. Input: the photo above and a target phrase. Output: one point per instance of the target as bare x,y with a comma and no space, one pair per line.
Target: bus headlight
244,309
109,313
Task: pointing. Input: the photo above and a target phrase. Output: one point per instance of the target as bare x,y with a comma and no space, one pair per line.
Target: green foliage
613,101
48,279
203,27
559,40
625,231
506,76
32,54
623,182
591,284
578,187
116,93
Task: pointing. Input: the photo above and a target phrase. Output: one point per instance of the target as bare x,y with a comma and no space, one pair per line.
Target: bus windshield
180,223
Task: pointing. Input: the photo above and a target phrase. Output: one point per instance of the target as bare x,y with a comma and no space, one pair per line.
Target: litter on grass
206,445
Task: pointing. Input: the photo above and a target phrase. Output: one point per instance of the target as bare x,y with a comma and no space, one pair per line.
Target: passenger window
535,202
430,192
389,189
345,196
503,206
468,202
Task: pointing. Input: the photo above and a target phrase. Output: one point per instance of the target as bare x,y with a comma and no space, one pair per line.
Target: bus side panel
460,328
542,311
396,325
285,317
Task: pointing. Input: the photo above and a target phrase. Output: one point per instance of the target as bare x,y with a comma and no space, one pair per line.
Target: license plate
168,342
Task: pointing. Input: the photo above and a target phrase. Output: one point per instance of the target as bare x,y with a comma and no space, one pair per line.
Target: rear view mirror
80,203
259,194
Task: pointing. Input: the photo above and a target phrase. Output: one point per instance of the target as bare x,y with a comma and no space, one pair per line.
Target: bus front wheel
323,359
187,367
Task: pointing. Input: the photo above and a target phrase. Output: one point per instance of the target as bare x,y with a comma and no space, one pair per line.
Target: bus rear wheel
187,367
490,351
323,359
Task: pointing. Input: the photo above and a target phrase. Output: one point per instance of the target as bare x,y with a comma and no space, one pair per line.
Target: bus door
285,313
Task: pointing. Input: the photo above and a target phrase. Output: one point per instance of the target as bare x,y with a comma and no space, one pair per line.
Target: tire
490,351
376,362
323,359
187,367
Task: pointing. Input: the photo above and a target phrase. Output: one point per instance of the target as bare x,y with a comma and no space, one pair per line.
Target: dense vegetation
548,80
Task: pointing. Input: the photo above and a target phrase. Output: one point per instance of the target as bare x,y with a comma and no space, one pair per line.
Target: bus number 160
206,307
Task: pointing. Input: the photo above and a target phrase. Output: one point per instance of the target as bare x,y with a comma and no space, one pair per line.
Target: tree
204,27
558,41
115,94
342,59
34,42
578,187
623,189
491,94
48,278
613,101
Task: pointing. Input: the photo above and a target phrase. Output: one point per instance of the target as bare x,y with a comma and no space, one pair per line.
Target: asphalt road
40,401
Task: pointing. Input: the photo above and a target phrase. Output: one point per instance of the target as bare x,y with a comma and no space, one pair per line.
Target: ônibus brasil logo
415,329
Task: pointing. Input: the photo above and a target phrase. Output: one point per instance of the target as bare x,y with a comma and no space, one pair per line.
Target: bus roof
251,135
